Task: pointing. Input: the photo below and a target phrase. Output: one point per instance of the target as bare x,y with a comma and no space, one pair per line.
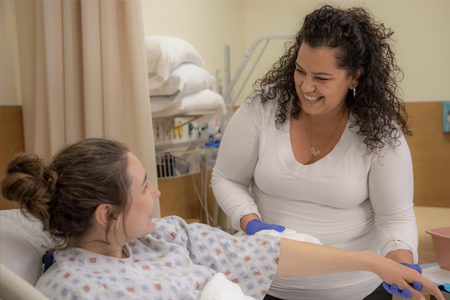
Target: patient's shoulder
79,274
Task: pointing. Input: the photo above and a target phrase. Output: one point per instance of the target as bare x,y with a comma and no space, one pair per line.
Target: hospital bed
21,249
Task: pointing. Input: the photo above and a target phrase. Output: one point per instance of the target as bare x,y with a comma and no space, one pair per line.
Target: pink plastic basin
441,242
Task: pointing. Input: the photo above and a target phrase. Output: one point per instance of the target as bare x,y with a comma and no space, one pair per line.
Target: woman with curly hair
321,144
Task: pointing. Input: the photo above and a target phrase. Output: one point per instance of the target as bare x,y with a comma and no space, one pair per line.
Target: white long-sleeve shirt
349,199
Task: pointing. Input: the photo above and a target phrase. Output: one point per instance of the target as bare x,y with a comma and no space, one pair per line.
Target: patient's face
139,222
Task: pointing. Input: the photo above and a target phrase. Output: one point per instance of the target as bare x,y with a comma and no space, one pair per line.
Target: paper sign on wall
446,116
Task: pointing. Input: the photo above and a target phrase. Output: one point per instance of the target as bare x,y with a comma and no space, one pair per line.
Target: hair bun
24,183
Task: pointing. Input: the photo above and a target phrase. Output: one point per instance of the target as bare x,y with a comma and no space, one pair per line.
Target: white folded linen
204,100
164,54
220,288
186,79
291,234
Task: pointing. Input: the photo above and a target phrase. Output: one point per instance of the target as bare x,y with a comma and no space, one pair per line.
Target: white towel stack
178,83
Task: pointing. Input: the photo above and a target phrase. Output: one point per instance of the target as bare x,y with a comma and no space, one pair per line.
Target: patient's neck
100,245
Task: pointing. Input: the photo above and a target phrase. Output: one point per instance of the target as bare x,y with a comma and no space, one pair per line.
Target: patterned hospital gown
175,262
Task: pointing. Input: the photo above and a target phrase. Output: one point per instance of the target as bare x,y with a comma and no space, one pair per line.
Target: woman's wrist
247,218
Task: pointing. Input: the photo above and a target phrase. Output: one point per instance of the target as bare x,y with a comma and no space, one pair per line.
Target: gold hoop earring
354,92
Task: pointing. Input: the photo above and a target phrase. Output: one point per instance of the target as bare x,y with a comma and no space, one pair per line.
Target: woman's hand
256,225
251,224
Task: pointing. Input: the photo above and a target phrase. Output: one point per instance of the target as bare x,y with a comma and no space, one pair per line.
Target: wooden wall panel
11,140
178,197
430,150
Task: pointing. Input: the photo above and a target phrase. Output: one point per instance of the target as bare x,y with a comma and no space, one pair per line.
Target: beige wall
421,33
9,60
421,37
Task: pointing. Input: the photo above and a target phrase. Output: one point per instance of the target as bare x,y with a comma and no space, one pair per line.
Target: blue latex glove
256,225
394,290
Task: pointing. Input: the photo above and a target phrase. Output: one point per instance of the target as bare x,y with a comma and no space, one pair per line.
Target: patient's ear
104,214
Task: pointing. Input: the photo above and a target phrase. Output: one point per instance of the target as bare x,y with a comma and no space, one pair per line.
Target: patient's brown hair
64,194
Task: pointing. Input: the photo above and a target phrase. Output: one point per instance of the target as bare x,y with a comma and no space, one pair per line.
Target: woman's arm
391,190
235,163
247,218
299,259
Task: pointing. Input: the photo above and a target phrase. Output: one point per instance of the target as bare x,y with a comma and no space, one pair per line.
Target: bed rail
231,102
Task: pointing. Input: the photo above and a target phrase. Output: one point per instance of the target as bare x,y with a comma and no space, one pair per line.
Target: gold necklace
314,152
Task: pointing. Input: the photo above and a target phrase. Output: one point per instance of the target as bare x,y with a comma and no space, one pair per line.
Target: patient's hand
394,290
405,278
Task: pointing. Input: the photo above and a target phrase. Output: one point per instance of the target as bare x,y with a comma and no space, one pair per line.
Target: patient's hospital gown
174,262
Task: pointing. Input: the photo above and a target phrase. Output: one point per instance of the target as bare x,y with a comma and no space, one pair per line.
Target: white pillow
185,79
21,244
164,54
206,102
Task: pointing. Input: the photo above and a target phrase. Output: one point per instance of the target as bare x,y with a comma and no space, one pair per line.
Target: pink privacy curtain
83,73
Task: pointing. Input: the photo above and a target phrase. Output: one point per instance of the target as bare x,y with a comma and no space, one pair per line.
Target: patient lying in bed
95,201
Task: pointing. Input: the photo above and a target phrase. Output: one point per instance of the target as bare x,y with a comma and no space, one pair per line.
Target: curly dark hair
361,42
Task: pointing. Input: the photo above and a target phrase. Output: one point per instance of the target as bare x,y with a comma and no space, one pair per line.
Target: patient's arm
299,259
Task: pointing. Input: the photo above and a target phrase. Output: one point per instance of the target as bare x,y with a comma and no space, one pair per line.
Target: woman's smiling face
138,221
320,85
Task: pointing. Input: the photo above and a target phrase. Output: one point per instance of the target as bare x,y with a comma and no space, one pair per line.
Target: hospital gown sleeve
236,161
249,261
391,195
